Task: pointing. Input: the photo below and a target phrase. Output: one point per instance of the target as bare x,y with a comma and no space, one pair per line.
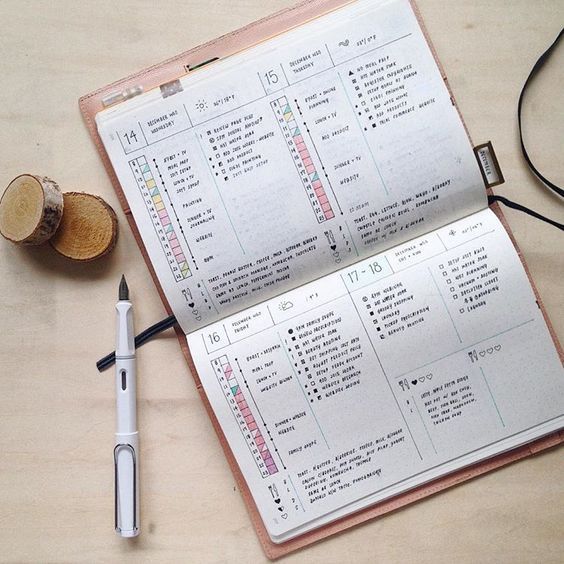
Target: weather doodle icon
201,105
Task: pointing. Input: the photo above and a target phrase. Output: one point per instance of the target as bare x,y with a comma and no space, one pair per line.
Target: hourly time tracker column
291,159
383,375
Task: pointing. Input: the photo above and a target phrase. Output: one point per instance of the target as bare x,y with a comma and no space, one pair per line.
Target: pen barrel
126,451
126,385
126,394
126,460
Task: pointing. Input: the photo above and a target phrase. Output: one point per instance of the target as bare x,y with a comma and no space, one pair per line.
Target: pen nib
123,289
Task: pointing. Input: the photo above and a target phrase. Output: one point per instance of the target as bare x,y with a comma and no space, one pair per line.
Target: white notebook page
292,159
382,376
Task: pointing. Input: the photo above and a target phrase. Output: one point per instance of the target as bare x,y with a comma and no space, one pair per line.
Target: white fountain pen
126,451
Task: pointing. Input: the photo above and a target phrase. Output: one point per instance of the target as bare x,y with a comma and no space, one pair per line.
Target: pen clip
117,487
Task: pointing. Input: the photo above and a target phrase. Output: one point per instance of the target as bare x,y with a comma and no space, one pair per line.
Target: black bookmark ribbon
519,207
142,338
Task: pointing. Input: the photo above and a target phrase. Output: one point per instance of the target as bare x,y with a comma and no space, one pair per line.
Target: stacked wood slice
88,228
79,226
30,209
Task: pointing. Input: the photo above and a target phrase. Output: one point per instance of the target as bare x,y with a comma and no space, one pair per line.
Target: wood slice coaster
30,209
88,229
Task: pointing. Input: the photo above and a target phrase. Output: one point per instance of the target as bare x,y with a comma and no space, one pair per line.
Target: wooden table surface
57,318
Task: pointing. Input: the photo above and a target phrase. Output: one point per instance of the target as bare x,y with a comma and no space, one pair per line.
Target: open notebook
314,212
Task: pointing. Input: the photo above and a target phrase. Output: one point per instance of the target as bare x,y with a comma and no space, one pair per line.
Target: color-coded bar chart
161,219
244,416
302,159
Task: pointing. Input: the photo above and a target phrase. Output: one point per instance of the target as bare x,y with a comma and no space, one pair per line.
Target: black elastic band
516,206
536,68
142,338
556,189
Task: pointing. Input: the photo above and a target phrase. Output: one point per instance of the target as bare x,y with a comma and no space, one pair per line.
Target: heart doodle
333,247
277,500
191,305
429,376
482,353
490,351
497,348
284,516
422,378
414,382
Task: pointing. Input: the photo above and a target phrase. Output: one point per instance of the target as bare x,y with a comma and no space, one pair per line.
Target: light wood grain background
57,318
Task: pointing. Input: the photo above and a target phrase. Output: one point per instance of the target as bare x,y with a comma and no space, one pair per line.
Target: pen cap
125,336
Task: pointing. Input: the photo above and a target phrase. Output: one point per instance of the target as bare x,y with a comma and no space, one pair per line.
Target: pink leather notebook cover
174,68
